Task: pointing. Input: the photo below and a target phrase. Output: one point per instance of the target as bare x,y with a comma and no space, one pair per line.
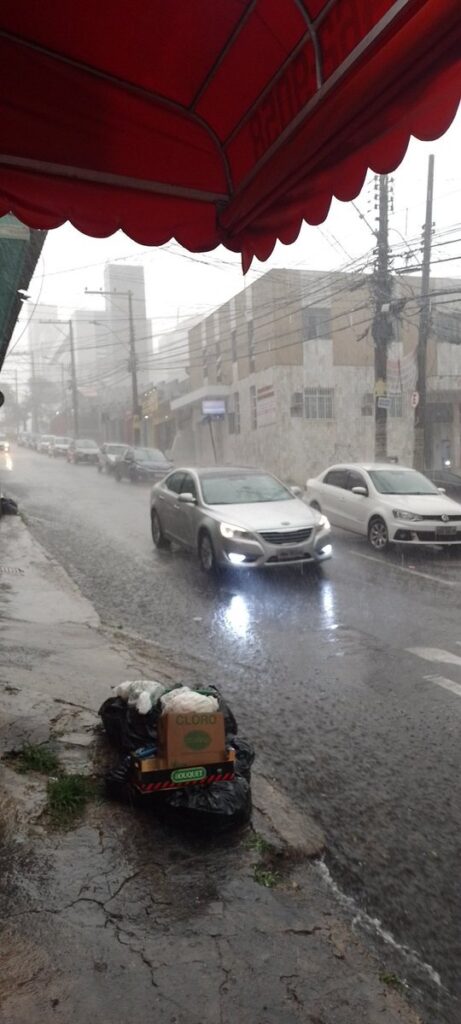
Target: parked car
4,443
108,455
389,504
31,441
43,443
83,450
142,464
244,518
59,446
449,480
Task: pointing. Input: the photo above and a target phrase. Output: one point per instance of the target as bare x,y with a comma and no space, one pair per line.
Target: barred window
297,404
395,407
253,408
234,414
318,403
368,403
316,323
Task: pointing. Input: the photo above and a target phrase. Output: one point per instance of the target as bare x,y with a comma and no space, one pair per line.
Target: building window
297,404
251,351
318,403
395,407
234,414
234,346
368,403
205,362
448,327
316,323
253,409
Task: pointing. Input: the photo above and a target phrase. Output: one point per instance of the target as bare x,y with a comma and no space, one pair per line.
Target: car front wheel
158,535
378,535
206,554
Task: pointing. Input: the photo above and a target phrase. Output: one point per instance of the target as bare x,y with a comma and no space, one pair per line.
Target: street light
70,328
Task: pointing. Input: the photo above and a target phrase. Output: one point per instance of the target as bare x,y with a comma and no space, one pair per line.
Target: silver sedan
241,518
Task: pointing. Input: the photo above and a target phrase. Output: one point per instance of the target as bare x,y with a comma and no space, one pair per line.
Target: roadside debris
179,751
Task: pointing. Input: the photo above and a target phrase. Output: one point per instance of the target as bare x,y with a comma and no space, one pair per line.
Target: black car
138,464
450,481
109,454
83,450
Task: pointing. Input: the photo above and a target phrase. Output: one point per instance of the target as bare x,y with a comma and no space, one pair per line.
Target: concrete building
282,375
120,278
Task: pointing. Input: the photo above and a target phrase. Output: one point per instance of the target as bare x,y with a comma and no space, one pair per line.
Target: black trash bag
141,730
230,722
113,715
245,755
9,507
219,805
126,729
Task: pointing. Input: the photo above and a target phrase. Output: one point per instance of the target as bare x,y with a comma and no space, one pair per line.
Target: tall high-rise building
122,279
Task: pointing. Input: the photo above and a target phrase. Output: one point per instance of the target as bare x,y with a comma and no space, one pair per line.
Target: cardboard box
192,739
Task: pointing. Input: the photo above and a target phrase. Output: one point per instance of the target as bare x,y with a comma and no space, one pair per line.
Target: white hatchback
387,503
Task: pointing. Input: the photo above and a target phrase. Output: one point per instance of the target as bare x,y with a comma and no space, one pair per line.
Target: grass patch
259,844
36,758
391,979
266,877
68,796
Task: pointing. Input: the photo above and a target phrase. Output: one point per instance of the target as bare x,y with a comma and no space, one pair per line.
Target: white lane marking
435,654
403,568
447,684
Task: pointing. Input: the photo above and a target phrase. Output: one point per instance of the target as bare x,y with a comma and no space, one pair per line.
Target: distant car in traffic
240,518
44,442
83,450
389,504
142,464
4,443
109,452
59,446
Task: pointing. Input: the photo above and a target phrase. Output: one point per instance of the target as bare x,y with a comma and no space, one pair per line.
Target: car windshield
401,481
86,444
114,449
62,440
244,489
150,455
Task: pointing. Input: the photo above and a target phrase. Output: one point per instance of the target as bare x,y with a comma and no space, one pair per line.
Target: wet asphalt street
342,680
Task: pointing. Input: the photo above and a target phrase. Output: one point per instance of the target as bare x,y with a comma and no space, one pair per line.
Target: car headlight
232,532
399,513
323,522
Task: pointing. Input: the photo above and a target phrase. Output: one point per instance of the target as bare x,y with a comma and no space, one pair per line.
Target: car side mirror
296,491
360,490
187,498
441,490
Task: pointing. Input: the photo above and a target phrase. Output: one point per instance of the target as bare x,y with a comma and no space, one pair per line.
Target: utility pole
382,330
73,371
422,454
17,402
34,395
132,362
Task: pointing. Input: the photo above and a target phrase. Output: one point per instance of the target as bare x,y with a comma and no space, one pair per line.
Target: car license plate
287,554
446,531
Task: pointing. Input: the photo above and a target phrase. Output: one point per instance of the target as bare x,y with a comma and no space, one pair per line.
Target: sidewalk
119,918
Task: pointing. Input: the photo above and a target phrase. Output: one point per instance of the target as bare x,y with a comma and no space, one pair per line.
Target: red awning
214,121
